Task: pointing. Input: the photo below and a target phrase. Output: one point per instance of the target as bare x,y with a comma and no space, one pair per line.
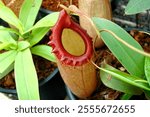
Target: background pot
50,88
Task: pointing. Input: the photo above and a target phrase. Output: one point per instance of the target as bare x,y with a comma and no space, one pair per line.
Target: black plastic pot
42,13
53,87
50,88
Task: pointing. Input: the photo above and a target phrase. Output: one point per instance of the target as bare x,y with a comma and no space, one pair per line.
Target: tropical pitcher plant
74,51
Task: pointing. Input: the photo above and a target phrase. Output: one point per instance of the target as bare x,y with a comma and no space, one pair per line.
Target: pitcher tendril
126,44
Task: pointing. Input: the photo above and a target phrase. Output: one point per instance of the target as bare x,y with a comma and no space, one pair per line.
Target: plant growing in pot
19,43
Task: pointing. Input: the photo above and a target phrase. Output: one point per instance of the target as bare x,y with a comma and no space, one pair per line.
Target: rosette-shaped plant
73,48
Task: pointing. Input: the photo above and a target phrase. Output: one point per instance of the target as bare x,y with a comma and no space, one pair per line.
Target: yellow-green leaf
25,76
44,51
7,15
6,59
28,12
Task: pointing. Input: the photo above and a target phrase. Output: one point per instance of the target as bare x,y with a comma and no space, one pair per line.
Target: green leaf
117,84
115,78
131,60
147,69
126,96
28,12
4,45
147,94
46,22
5,36
6,59
137,6
7,15
9,69
26,77
22,45
44,51
9,30
37,35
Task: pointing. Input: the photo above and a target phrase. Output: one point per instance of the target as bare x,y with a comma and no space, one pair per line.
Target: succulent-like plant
20,42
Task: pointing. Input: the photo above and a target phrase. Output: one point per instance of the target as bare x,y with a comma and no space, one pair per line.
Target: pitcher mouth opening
74,55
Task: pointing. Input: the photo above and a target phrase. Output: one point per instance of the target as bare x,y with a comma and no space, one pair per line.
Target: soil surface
142,38
53,4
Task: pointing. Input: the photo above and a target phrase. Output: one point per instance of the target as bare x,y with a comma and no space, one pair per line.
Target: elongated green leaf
137,6
117,84
122,77
22,45
26,77
9,69
7,15
6,39
44,51
131,60
46,22
28,12
147,69
126,96
5,35
37,35
6,59
9,30
4,45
